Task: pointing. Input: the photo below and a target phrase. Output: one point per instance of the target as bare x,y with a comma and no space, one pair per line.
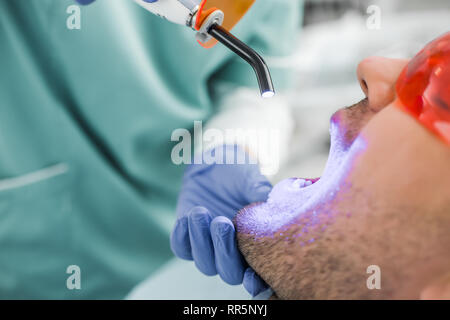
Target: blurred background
333,40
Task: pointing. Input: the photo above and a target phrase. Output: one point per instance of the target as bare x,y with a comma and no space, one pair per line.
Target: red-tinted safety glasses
423,88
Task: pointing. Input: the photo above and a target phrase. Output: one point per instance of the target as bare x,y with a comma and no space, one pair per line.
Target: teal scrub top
103,101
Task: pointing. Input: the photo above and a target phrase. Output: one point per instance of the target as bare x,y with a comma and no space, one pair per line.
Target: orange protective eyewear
423,88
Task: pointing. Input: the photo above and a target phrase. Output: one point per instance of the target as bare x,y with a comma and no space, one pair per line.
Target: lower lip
284,203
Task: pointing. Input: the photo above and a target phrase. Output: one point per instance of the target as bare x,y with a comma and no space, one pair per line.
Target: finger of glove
253,283
199,220
180,242
229,262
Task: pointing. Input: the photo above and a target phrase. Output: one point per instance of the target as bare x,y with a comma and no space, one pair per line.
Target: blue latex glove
210,197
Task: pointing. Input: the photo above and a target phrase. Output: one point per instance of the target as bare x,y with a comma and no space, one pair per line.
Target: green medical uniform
86,117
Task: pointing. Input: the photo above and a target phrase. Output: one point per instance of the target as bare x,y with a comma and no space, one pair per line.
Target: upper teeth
301,183
298,183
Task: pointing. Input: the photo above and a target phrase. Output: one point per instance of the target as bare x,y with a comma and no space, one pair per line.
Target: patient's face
383,199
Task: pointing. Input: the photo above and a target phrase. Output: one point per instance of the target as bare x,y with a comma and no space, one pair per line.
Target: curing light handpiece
248,54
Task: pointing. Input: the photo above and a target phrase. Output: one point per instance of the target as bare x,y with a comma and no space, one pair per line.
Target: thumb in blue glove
211,196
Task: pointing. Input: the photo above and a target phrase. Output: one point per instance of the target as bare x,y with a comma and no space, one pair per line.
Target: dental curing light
249,55
212,20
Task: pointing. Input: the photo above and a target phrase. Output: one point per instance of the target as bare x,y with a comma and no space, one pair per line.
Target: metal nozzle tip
268,94
248,54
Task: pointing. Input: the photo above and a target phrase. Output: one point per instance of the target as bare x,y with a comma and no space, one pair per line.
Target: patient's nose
377,77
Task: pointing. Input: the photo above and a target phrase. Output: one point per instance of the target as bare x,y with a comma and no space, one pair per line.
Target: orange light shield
423,88
234,10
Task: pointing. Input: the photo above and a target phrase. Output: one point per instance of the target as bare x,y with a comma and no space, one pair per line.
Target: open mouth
284,203
293,198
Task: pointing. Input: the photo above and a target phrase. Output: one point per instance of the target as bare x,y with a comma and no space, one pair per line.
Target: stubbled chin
288,201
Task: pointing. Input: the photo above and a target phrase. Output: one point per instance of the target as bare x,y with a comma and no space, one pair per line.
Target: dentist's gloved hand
211,196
